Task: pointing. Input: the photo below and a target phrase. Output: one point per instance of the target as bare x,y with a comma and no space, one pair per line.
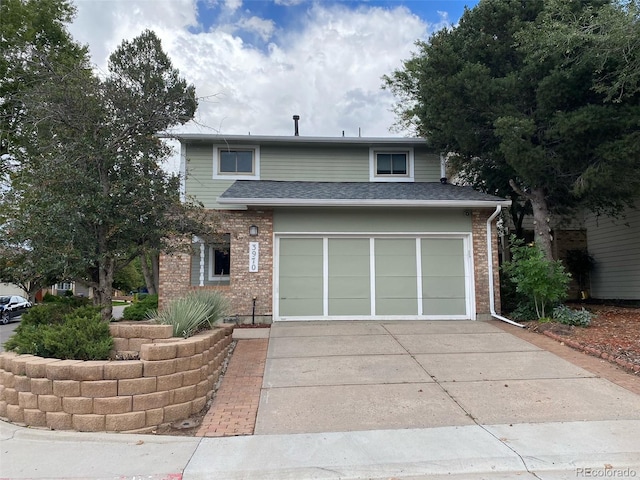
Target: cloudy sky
255,63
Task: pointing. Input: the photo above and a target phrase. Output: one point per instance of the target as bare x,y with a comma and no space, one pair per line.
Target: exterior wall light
253,231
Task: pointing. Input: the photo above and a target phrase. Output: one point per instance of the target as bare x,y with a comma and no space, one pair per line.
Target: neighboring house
614,245
317,228
78,289
8,289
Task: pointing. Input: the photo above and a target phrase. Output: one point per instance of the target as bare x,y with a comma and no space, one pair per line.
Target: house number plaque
254,256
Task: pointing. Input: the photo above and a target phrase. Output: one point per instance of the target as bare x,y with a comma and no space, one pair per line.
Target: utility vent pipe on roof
295,125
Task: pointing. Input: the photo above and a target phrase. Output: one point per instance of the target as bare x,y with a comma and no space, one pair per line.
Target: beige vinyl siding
199,181
427,166
370,220
615,247
315,164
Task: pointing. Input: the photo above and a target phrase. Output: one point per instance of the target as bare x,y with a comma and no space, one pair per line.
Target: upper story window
236,162
390,165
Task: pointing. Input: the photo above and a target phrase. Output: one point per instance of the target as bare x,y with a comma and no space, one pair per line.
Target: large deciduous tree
87,193
518,101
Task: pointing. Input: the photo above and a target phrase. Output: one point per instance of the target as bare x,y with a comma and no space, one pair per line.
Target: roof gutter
313,202
492,296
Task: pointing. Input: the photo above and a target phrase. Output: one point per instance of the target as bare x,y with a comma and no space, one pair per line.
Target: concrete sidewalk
380,400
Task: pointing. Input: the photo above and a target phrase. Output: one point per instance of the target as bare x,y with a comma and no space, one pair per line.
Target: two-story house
318,228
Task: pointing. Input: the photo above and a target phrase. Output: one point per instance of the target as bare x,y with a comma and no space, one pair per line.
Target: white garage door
373,277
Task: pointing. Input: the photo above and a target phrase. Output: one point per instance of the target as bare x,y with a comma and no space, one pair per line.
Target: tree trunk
541,217
105,288
148,273
155,267
541,222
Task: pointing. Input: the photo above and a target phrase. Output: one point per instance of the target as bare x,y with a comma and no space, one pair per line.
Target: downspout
492,297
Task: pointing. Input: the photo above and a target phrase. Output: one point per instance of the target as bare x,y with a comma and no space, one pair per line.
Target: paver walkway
234,408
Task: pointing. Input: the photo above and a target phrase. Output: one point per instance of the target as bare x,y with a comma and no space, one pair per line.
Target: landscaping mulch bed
614,335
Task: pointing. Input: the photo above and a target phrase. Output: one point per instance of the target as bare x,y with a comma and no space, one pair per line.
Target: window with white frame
64,286
219,264
237,162
390,165
211,261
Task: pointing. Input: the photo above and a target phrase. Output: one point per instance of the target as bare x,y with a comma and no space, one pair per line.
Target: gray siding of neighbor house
348,163
615,247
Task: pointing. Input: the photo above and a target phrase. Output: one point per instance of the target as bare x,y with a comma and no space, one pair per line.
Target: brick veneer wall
481,273
171,381
175,269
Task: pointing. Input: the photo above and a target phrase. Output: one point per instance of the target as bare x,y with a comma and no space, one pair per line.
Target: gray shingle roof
267,192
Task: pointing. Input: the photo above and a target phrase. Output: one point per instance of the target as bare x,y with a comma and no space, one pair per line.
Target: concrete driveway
354,376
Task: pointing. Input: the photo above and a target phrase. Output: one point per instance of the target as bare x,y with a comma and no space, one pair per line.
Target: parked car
12,306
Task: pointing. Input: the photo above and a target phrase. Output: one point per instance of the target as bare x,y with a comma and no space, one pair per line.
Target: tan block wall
481,266
175,268
171,381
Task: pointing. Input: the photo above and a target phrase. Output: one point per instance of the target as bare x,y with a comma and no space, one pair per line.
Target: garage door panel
443,276
443,265
299,266
443,287
448,306
396,277
301,277
349,276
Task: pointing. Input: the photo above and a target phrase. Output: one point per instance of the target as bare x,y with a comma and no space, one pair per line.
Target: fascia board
276,202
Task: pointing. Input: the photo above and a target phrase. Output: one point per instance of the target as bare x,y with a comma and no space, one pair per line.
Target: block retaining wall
172,380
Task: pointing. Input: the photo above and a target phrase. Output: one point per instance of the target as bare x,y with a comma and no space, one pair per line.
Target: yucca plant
192,313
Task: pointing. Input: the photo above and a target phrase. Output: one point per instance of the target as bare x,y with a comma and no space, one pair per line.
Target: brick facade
481,266
244,286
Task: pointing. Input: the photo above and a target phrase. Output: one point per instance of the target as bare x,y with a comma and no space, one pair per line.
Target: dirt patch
614,334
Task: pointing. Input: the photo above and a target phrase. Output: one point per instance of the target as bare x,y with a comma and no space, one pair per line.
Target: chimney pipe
295,123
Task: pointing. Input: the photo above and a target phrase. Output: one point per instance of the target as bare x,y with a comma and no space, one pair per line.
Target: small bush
138,310
544,282
79,335
69,300
193,313
524,312
54,312
568,316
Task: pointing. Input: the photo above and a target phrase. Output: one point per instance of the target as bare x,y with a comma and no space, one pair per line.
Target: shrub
192,313
69,300
54,312
79,335
568,316
541,280
138,310
524,312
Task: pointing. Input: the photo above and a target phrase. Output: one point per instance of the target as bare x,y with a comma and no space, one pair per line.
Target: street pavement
380,400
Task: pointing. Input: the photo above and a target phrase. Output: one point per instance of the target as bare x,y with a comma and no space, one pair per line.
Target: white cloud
328,70
261,27
233,5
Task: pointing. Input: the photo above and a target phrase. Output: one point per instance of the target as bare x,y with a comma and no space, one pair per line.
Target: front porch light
253,231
